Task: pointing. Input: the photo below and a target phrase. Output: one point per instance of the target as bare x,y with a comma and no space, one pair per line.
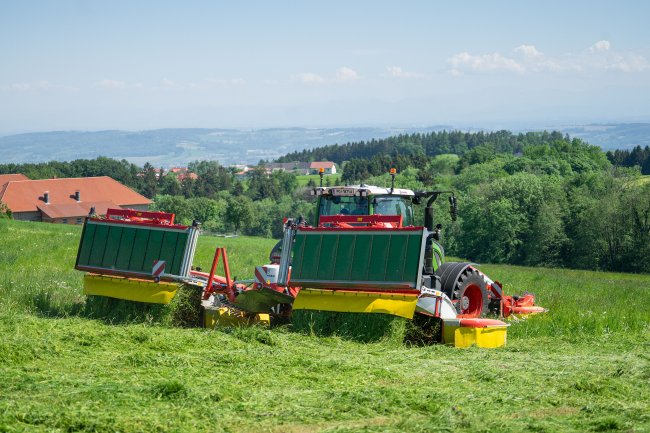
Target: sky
93,65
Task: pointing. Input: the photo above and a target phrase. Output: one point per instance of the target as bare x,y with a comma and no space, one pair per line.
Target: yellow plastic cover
487,337
356,302
129,289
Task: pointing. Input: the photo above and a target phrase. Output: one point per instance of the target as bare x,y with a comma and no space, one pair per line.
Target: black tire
470,295
456,278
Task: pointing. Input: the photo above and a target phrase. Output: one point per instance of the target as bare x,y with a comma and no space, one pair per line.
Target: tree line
637,157
558,204
427,144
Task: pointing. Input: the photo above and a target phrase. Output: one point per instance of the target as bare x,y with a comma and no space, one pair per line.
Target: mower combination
362,254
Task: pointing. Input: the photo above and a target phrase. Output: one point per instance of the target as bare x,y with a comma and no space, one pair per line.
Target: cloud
465,62
237,81
195,86
534,60
398,72
600,46
528,51
628,63
601,56
528,59
38,85
167,83
342,74
310,78
111,84
346,74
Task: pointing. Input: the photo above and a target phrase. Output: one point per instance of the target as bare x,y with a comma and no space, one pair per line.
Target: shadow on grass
368,328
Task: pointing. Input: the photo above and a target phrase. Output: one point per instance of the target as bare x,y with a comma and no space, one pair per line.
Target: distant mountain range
612,136
169,147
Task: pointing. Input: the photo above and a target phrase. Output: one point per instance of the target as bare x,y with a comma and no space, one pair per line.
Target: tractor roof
362,189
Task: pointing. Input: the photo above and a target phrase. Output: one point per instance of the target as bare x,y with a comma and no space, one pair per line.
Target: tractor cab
358,200
362,200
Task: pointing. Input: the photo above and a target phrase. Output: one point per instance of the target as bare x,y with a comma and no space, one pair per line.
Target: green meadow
584,366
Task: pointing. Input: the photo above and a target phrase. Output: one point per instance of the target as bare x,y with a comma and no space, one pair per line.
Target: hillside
64,371
169,147
612,136
178,146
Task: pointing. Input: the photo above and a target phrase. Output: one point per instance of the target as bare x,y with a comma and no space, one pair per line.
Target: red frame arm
376,220
140,215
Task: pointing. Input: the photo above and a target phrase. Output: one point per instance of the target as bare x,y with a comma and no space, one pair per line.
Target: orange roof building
327,166
68,200
183,173
4,178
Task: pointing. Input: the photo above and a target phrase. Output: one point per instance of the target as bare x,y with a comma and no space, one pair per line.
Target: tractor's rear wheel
466,288
470,295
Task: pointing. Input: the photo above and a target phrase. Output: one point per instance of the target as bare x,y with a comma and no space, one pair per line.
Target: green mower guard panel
359,259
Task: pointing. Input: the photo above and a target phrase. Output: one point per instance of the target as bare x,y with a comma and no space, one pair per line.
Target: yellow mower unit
131,289
344,301
485,333
136,256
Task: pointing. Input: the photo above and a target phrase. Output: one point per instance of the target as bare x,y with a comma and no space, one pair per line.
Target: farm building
183,173
327,166
66,201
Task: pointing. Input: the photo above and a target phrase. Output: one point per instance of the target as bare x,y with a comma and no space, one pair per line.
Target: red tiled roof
4,178
186,175
80,209
27,195
323,164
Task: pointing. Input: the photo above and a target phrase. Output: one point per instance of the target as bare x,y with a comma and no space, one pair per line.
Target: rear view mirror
453,207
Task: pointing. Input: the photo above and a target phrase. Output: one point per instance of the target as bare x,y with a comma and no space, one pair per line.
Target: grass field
585,366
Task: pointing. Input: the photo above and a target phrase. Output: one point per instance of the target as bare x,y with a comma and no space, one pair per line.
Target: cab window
343,205
394,205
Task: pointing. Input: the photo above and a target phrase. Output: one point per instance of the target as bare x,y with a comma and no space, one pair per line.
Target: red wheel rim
471,303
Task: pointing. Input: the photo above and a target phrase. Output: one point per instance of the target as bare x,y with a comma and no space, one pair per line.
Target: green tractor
470,291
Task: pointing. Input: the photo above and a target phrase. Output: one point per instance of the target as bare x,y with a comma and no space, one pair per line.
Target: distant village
70,200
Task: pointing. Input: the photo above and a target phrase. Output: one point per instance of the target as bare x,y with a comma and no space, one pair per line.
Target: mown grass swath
582,367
